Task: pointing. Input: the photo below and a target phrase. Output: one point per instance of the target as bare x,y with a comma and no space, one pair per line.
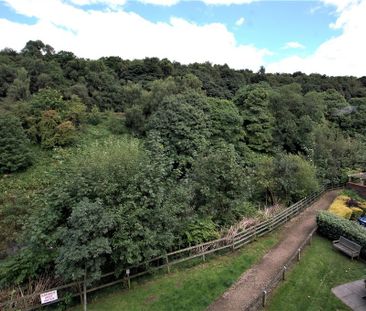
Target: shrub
356,212
94,116
14,152
332,227
340,208
116,124
200,231
65,134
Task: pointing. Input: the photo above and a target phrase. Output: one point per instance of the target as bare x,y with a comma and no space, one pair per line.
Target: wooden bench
347,246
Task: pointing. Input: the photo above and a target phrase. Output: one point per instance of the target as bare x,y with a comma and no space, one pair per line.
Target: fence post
167,263
264,298
84,289
233,244
284,273
298,254
128,278
203,257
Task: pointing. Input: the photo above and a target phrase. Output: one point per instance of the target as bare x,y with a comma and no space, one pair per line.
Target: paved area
351,294
251,282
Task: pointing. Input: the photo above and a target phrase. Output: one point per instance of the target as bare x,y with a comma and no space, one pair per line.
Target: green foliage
332,227
19,89
47,99
253,103
226,121
335,154
183,126
95,116
211,145
84,241
296,178
65,134
116,124
25,265
47,128
356,213
75,111
220,185
288,177
352,194
14,150
201,230
308,286
179,288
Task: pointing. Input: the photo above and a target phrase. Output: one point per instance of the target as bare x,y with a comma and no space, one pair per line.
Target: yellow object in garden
340,208
356,212
362,205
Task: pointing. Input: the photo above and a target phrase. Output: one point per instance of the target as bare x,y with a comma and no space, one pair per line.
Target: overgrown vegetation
132,159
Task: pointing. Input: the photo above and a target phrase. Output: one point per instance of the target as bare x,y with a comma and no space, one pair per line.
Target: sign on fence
49,296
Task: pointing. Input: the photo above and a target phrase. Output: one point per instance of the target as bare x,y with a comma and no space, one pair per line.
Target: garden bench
347,246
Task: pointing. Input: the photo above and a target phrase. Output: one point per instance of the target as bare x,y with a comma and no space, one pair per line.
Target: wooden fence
67,291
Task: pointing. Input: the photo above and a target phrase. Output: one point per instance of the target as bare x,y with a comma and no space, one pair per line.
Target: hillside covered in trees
107,163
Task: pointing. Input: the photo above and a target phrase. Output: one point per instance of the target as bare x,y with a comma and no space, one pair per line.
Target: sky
324,36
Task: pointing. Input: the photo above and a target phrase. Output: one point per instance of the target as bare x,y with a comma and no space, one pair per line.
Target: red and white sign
49,296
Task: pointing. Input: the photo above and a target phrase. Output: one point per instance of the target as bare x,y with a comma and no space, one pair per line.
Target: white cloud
160,2
226,2
240,21
341,4
114,3
341,55
94,34
293,45
111,3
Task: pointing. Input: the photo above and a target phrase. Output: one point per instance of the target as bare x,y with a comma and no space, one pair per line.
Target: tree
257,119
14,151
295,177
220,185
183,125
226,121
84,241
19,89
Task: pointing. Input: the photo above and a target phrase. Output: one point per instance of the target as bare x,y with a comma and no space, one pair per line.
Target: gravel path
252,282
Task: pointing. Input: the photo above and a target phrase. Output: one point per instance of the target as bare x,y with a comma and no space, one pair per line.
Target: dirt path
252,282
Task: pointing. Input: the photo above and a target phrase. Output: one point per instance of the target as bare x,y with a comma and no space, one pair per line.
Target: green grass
308,285
185,288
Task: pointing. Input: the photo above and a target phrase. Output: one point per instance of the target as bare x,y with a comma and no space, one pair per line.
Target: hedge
332,227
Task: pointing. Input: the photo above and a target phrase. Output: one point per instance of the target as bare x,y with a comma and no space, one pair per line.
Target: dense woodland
107,163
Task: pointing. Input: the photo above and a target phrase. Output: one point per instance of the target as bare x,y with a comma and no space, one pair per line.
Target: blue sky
311,36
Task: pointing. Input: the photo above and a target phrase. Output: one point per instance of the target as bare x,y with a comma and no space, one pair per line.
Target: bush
94,116
116,124
65,134
332,227
356,213
340,208
14,152
200,231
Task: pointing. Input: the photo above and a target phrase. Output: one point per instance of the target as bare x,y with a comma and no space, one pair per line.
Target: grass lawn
185,288
308,285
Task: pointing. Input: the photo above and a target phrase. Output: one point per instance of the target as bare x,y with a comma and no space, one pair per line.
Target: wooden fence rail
168,260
